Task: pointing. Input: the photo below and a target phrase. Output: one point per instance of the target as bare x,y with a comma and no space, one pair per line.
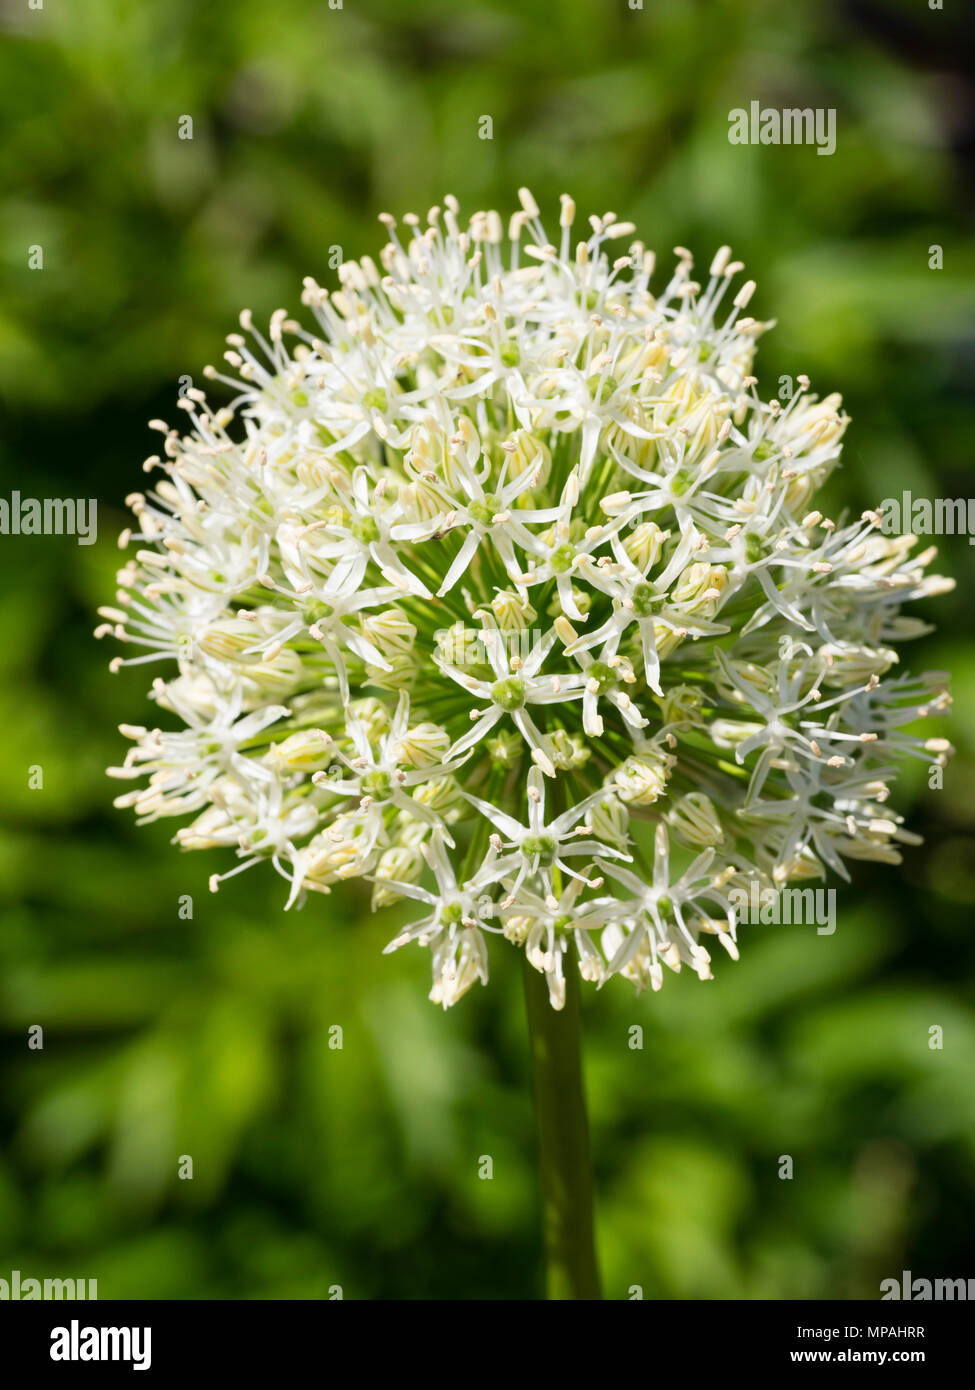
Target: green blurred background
358,1167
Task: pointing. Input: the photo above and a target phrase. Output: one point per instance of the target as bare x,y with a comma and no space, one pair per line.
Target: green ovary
509,693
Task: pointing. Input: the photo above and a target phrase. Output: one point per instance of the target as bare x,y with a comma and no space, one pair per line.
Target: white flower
546,928
515,688
540,847
453,928
504,527
659,921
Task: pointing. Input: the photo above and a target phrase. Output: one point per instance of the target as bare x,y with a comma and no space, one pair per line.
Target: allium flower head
502,588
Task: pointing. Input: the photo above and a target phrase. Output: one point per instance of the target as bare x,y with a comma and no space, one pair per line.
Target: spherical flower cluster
508,595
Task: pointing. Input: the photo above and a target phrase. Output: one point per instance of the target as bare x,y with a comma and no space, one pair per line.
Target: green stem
563,1138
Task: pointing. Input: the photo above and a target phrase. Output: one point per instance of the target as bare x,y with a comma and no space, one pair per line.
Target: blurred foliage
211,1037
